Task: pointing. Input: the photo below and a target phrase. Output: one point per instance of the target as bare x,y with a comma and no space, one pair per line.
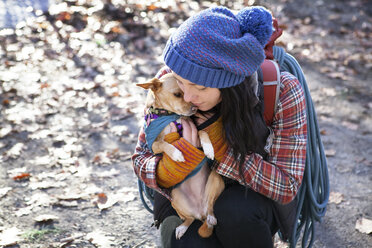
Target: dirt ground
70,114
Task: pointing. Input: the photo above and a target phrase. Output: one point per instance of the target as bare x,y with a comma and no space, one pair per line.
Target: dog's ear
154,84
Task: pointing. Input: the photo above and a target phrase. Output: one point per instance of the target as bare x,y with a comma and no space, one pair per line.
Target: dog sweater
170,173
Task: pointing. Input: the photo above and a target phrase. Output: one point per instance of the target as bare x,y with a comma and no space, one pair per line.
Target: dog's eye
178,94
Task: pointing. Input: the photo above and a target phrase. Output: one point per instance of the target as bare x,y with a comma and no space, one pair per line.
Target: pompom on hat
218,49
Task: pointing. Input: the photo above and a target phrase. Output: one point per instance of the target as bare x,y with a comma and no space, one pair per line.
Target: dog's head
165,94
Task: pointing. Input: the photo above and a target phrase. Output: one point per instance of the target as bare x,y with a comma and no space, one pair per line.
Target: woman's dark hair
242,118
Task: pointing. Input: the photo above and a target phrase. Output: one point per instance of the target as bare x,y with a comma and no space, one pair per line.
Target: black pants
244,219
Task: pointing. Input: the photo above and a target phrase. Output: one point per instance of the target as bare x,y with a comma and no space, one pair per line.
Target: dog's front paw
208,150
211,220
177,156
180,231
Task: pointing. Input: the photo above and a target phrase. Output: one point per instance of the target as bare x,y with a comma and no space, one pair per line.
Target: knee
238,205
243,218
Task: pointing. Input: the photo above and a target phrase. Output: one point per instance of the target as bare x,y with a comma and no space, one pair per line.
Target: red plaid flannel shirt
280,175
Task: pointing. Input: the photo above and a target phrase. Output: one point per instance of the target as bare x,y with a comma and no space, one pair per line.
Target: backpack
313,194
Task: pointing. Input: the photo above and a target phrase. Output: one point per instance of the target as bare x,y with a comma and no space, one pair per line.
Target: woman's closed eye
204,88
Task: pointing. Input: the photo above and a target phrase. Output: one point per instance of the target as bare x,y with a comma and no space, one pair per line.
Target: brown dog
193,198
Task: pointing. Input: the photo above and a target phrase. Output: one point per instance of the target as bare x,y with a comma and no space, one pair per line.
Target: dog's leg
213,189
206,144
205,230
170,150
181,229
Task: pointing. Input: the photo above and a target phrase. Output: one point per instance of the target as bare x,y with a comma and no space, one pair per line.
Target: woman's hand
189,131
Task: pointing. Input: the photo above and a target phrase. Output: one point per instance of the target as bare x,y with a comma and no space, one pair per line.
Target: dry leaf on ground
46,184
111,173
336,197
4,131
364,225
4,191
24,211
100,239
45,218
15,151
22,176
105,201
10,236
330,152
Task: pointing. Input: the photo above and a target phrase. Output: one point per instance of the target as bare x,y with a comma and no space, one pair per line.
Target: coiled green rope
314,191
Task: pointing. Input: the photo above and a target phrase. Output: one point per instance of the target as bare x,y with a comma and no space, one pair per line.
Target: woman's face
204,98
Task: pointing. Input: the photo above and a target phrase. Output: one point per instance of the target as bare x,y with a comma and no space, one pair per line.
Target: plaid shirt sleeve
145,162
280,176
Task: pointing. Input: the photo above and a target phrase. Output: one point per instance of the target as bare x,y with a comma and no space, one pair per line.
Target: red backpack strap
271,82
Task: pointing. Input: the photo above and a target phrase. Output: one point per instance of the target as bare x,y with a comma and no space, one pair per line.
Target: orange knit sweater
170,173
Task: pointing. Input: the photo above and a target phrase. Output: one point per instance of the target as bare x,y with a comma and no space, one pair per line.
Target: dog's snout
194,108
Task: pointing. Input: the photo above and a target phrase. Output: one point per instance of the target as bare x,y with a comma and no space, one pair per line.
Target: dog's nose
194,108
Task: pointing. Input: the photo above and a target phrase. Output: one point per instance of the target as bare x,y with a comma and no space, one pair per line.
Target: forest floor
70,114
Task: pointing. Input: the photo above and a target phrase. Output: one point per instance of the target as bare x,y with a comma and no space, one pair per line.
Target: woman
215,56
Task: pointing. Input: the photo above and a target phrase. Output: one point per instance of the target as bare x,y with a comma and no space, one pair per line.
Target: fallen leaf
116,29
364,225
128,197
10,236
111,173
127,194
102,159
66,204
323,132
24,211
6,102
336,197
5,130
102,198
97,159
100,239
4,191
338,75
152,7
22,176
72,196
46,218
64,16
329,91
60,153
15,151
44,160
16,171
120,130
350,125
46,184
44,85
41,199
65,241
111,201
83,171
330,152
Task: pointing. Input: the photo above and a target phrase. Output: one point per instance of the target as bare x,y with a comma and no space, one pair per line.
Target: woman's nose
188,95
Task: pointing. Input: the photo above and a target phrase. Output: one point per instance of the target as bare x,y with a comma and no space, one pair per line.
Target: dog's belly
190,195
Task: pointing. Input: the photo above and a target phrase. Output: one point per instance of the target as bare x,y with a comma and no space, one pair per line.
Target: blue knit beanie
218,49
